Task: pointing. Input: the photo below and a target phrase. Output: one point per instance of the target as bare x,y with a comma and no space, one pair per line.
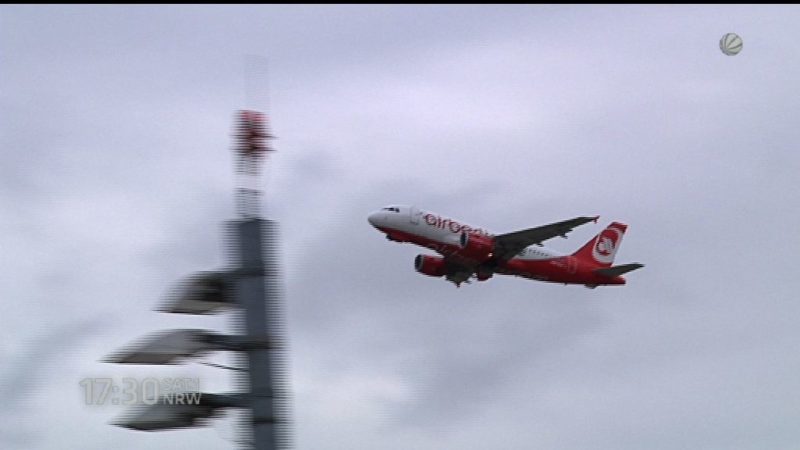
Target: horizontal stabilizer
616,271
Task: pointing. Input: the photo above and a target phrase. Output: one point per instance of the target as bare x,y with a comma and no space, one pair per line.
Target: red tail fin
600,250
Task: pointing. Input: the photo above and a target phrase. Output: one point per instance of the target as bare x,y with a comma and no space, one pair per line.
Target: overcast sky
116,178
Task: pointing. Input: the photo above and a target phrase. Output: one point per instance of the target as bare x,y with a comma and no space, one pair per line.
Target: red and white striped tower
251,145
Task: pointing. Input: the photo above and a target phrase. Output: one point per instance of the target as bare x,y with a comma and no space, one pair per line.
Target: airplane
474,253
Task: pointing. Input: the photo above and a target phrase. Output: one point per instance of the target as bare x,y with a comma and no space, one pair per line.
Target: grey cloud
22,374
26,372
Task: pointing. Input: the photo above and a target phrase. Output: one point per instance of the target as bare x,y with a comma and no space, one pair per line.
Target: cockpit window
392,209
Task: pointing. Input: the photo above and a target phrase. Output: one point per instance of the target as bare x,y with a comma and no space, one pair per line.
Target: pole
253,296
258,290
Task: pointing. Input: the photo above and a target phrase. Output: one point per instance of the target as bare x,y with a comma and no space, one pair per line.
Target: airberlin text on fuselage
451,225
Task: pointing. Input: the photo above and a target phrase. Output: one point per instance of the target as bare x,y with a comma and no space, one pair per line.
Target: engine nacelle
476,246
433,266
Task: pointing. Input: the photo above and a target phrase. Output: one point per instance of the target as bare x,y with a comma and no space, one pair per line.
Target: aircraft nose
374,219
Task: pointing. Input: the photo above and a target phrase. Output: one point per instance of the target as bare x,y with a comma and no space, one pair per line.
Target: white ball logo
730,44
606,245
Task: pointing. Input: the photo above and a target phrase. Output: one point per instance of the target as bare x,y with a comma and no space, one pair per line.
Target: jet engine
432,266
476,246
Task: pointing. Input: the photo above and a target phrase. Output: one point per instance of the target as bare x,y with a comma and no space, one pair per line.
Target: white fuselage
439,233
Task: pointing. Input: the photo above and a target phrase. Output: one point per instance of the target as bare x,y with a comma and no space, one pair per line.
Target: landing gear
458,283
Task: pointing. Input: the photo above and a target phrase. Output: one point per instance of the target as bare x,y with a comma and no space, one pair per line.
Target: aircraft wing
509,244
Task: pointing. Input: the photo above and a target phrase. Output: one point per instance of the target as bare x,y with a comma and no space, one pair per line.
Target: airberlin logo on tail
605,246
451,225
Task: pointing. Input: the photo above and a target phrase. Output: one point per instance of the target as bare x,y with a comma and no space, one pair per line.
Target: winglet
596,218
